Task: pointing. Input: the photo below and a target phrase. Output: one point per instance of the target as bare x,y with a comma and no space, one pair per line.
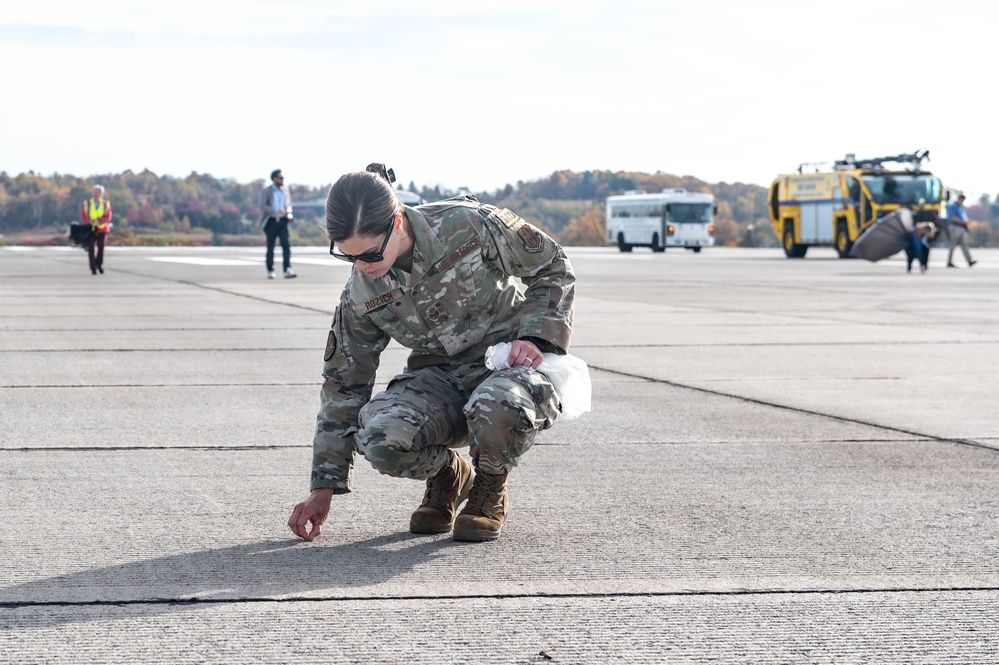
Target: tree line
571,205
145,205
202,209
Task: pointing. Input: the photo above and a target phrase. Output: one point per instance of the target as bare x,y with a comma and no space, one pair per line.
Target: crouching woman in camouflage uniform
439,280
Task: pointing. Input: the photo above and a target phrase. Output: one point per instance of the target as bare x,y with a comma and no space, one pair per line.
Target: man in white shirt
275,207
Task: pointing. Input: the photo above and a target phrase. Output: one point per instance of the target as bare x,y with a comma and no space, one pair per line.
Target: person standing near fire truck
957,231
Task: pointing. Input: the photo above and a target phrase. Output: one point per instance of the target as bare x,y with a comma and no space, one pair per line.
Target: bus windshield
690,213
904,189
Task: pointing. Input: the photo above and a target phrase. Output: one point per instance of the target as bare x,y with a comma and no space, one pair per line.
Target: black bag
79,234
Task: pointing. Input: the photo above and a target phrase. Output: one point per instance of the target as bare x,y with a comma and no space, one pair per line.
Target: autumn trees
571,205
568,204
144,203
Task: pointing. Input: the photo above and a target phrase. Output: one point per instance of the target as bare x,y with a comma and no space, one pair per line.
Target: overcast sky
479,93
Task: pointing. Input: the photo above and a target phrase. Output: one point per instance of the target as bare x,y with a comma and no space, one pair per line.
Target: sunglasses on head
367,257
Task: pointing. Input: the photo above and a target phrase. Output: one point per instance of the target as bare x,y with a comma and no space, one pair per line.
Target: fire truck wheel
793,250
843,243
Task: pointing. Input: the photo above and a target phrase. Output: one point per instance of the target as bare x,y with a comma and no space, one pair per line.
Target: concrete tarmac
787,461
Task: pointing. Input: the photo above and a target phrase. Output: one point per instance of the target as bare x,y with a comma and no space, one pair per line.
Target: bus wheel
696,250
621,244
793,250
843,244
656,247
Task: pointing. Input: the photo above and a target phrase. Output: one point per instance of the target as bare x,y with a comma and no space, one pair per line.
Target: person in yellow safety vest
97,212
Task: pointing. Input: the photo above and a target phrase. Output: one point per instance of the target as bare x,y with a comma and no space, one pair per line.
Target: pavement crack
158,385
796,409
102,449
205,287
248,600
715,345
230,293
163,350
160,329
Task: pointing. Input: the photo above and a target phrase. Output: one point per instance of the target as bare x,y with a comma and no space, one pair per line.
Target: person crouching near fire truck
918,248
97,212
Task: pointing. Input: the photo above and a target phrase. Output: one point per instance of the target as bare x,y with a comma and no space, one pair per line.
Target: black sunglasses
367,257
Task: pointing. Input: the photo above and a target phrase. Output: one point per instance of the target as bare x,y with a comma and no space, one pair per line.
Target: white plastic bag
568,374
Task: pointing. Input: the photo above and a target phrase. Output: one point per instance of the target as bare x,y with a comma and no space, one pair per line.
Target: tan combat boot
445,492
483,516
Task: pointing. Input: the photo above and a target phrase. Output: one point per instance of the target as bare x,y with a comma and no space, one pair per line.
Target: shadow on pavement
273,569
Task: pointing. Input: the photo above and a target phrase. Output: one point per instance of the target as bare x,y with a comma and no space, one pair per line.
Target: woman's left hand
524,354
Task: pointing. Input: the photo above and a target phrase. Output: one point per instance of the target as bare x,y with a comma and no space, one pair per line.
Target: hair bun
376,167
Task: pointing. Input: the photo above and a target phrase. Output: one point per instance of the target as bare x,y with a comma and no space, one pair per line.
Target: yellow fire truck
833,207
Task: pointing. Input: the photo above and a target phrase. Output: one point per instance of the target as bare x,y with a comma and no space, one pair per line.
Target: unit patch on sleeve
330,346
331,339
533,242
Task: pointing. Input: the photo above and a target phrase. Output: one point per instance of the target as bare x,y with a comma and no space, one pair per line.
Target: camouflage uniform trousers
406,430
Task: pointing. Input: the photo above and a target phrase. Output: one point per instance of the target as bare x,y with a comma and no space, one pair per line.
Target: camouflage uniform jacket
459,298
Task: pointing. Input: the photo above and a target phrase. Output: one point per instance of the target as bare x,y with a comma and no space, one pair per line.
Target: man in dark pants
275,207
97,213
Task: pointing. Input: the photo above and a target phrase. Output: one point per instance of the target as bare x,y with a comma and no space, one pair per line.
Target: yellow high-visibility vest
96,209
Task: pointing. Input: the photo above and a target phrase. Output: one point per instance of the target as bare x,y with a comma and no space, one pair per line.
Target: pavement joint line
810,412
90,317
156,385
783,344
672,325
826,379
818,320
101,449
813,378
580,346
499,596
208,288
163,350
227,292
328,313
88,294
62,330
257,298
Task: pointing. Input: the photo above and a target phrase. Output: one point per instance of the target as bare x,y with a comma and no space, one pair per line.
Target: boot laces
486,492
437,486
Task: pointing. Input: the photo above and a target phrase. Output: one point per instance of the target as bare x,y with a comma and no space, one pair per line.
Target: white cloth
568,374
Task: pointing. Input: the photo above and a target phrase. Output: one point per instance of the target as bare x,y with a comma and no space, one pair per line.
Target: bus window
690,213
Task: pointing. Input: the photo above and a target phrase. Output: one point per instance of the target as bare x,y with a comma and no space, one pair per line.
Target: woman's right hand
314,511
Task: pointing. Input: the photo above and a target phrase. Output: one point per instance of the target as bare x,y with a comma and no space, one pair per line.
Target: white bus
672,218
